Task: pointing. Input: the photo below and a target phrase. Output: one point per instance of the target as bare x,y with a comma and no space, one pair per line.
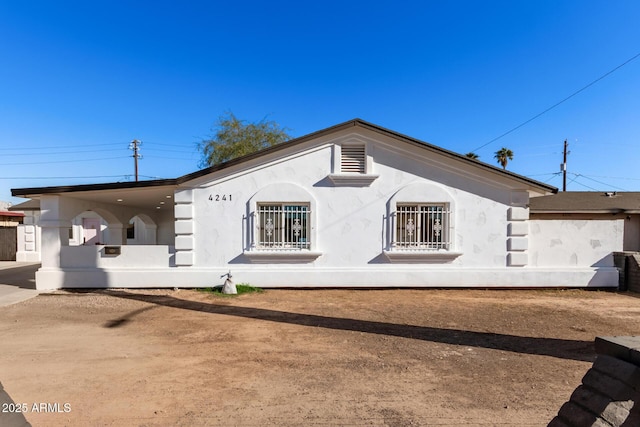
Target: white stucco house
354,205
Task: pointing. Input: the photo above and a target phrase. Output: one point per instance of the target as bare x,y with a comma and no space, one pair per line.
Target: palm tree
503,156
472,155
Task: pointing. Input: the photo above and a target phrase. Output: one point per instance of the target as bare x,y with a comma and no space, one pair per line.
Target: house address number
220,197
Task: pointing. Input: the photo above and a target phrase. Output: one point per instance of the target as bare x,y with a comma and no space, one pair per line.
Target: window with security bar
423,226
283,226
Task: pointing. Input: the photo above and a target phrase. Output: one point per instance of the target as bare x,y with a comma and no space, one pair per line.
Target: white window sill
282,256
421,256
352,180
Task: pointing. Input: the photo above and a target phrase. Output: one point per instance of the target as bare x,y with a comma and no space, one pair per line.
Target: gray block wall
609,391
628,264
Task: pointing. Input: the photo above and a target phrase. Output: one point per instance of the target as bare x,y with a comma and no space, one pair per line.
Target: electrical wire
63,177
600,182
585,186
558,103
616,177
64,161
62,146
4,155
169,158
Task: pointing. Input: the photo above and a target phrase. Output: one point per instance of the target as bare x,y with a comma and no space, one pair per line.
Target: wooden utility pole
135,144
564,167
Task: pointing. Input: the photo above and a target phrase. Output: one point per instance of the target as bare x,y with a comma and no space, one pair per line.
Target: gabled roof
29,205
359,123
587,202
355,123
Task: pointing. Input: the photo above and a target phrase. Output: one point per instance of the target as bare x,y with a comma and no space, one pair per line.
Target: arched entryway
141,230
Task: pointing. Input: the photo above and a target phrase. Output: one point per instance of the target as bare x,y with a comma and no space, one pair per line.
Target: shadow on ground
21,276
12,414
554,347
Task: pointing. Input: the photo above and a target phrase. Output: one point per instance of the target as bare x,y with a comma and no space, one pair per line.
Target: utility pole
563,166
135,144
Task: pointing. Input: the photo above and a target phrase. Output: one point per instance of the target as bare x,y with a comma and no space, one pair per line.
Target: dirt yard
304,357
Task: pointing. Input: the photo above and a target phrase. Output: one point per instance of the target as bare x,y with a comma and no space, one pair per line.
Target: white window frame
280,193
422,227
283,226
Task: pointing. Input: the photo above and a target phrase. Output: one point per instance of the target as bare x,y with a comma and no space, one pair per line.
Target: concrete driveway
17,282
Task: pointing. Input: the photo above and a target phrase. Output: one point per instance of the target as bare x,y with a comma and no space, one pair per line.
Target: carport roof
141,194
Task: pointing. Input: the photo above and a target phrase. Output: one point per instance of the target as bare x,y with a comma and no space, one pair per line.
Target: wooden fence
8,243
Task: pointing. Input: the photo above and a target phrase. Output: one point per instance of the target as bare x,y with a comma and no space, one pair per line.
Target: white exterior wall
351,222
575,242
494,243
490,226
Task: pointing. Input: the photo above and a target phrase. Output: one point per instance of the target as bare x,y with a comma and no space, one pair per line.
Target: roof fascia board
256,163
266,151
580,211
452,165
30,192
530,183
459,157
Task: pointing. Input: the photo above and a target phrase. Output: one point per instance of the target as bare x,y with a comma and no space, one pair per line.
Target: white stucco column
518,240
184,228
117,234
55,231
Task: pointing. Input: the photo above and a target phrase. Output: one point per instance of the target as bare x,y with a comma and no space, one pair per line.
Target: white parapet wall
127,256
410,276
575,242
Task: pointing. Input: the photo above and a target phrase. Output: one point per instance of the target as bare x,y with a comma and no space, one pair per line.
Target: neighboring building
29,232
9,221
583,228
354,205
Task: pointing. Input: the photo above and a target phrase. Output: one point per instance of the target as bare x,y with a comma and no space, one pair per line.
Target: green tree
472,155
235,138
503,156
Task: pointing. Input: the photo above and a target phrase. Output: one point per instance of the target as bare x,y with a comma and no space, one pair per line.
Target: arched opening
141,230
88,228
95,227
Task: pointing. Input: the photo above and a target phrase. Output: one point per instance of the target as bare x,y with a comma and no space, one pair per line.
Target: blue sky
80,80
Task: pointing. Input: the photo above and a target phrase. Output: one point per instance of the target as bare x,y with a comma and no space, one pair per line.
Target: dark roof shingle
587,202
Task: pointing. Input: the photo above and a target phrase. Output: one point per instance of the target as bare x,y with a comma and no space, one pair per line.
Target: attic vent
353,159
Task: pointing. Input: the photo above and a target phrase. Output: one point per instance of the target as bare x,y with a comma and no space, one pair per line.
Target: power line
558,103
63,177
579,175
600,182
167,151
171,158
59,152
616,177
585,186
63,161
62,146
165,145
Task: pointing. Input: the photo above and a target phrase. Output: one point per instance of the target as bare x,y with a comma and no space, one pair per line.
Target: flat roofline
25,192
